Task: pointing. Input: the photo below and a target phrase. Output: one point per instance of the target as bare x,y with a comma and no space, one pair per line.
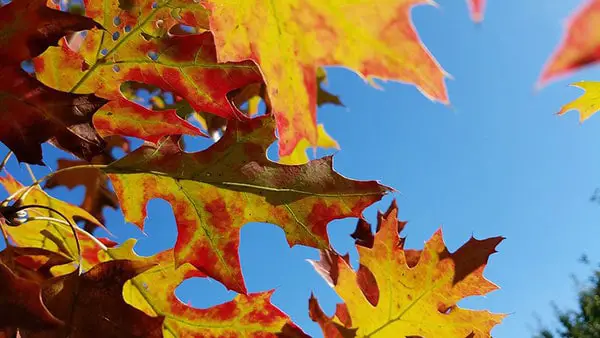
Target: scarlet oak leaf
216,191
50,235
29,27
21,303
290,39
298,156
476,7
580,45
97,193
406,297
588,103
185,65
154,293
93,304
33,113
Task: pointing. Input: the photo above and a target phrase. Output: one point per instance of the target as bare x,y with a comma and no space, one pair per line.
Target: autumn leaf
395,294
154,293
21,303
476,7
126,118
588,103
28,28
32,263
216,191
48,234
97,193
290,39
139,49
93,304
34,113
580,45
298,156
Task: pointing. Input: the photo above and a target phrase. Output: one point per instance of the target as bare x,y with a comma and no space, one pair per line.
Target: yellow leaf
588,103
298,156
290,39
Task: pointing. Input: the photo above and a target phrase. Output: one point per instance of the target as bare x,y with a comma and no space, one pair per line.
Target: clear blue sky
497,162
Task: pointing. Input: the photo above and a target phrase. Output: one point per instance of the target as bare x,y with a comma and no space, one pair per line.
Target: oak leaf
92,304
216,191
588,103
580,45
47,234
28,28
140,49
32,112
154,293
400,294
97,193
290,39
21,303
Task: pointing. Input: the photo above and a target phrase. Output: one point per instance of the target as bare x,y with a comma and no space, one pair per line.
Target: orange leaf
580,45
216,191
290,39
395,295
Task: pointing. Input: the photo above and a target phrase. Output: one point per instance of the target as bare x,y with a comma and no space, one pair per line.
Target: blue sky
496,162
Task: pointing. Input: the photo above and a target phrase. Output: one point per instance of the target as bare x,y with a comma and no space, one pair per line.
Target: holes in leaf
104,51
116,21
116,36
155,4
127,29
116,68
153,55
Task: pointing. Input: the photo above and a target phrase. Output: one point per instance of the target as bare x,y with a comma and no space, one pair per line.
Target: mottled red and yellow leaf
216,191
154,293
395,294
290,39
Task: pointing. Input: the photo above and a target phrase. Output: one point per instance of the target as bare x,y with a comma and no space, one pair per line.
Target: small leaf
588,103
97,193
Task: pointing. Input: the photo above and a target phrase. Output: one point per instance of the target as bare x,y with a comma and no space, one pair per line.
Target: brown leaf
92,304
97,193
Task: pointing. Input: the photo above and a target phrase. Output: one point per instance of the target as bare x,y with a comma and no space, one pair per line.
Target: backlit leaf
97,193
580,45
290,39
395,294
588,103
154,293
139,49
298,156
93,304
216,191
